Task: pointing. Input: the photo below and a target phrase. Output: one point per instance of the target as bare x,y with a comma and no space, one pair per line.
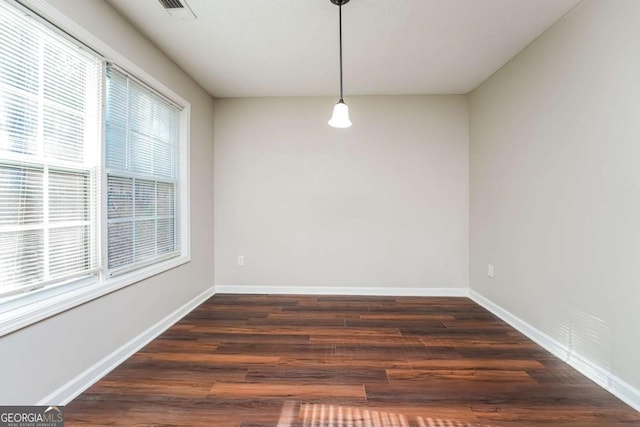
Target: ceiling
257,48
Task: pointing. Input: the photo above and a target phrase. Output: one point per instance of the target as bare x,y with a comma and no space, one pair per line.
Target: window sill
37,308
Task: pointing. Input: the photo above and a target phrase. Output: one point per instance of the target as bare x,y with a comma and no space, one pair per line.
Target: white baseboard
344,290
601,376
86,379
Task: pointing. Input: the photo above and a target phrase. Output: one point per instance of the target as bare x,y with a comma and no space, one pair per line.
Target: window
50,101
142,164
93,176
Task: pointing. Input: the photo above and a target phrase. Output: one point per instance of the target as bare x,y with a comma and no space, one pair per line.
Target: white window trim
29,309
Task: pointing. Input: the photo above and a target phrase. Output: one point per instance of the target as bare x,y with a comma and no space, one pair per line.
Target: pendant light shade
340,116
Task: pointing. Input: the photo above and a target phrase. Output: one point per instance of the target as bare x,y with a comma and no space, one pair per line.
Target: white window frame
19,312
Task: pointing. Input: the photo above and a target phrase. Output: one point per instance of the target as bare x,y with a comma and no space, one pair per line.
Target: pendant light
340,116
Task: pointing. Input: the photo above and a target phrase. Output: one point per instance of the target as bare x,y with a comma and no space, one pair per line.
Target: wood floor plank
287,391
325,374
553,415
302,361
425,326
473,342
172,371
276,349
314,316
297,330
341,362
214,359
228,338
477,364
189,387
180,346
485,375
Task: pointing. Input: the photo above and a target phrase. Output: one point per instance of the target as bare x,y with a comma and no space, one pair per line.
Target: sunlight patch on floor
294,414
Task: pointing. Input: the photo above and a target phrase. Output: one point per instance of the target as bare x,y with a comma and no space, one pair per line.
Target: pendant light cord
340,25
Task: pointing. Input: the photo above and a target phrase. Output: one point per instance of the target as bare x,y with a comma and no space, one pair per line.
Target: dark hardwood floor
293,361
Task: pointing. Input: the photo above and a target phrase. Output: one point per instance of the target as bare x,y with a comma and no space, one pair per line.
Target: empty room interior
190,236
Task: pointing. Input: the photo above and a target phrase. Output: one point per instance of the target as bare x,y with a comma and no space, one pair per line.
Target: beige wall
39,359
555,185
381,204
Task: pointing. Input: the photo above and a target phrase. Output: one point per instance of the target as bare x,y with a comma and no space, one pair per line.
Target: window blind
142,131
50,129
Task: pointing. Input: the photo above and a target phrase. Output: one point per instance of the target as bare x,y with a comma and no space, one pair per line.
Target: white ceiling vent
178,9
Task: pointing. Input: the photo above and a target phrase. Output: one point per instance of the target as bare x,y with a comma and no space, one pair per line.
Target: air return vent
179,9
171,4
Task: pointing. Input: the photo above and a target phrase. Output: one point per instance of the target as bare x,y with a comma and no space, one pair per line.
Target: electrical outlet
240,259
490,270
